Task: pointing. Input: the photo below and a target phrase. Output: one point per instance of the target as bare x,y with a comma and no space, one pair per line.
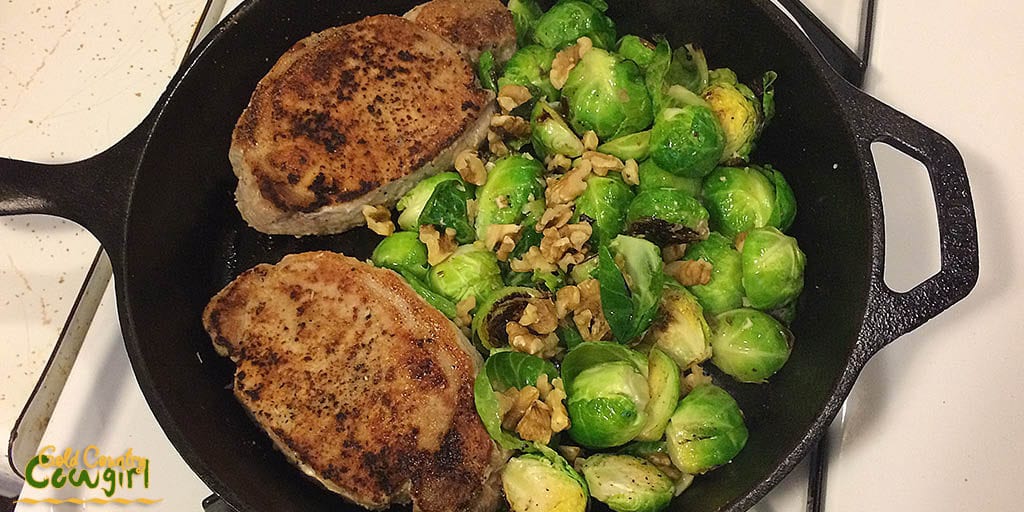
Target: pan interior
185,240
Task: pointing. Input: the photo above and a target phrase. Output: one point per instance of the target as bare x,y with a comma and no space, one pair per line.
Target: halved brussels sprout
471,270
569,20
680,330
636,49
724,291
773,268
626,483
742,198
513,191
607,390
749,345
550,134
603,204
606,93
504,370
706,431
535,483
503,305
687,141
664,382
402,251
530,67
525,14
411,204
667,216
738,111
652,176
635,145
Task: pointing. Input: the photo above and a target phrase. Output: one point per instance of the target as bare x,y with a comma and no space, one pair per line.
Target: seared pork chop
358,381
350,116
475,26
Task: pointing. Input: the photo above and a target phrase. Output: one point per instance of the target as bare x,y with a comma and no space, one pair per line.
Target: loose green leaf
446,208
510,369
615,300
485,71
489,409
435,299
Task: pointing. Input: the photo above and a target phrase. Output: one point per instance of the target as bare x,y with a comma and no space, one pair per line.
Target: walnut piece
439,246
511,96
570,185
540,316
532,260
470,167
462,309
378,219
523,340
673,252
535,412
497,232
690,272
631,172
566,59
602,162
495,144
554,217
507,126
590,140
557,162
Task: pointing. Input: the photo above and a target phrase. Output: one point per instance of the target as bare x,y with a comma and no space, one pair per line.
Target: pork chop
358,381
475,26
350,116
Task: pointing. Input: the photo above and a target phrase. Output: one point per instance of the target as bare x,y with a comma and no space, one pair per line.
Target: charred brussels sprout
749,345
636,49
513,191
570,20
706,431
680,330
724,291
742,198
530,67
607,390
667,216
652,176
635,145
470,270
535,483
604,204
503,306
773,268
412,203
525,14
738,111
550,134
626,483
687,141
402,252
606,93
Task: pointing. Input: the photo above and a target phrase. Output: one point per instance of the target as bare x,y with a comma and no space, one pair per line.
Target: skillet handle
94,192
892,314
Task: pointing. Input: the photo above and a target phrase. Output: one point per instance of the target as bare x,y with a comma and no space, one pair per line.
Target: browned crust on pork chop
349,116
358,381
475,26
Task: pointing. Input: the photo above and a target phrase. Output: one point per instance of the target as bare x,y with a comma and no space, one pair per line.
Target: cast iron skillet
160,202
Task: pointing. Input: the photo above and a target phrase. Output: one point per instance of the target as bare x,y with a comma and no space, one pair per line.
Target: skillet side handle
94,192
892,314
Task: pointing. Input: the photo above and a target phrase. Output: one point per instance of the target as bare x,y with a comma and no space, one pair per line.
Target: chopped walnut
590,140
567,299
470,167
695,377
566,59
519,400
556,401
738,241
602,163
554,217
578,234
588,315
690,272
569,186
497,232
535,412
673,252
472,209
540,316
505,248
511,96
439,246
565,245
462,309
501,201
631,172
557,162
378,219
495,144
508,126
571,453
523,340
532,260
536,423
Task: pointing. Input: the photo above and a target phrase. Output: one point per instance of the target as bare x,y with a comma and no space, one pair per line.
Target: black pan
160,202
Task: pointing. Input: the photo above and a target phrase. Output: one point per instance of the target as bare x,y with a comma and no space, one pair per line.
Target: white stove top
933,423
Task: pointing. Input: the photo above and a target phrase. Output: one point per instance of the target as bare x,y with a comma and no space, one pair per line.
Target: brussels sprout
607,390
534,483
606,93
626,483
402,251
706,431
664,383
738,111
470,270
749,345
411,204
550,134
514,190
570,20
530,67
742,198
635,145
440,302
724,291
504,370
656,452
652,176
629,309
447,208
493,314
687,141
525,14
603,204
667,216
674,79
773,268
689,68
636,49
680,330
